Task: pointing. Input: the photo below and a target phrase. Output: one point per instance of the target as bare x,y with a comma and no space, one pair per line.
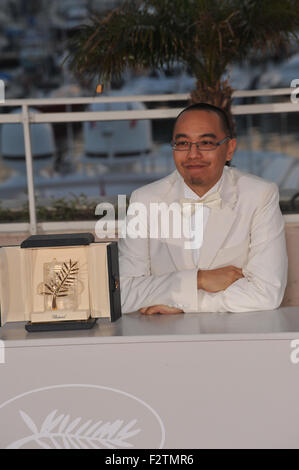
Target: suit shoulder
155,190
253,185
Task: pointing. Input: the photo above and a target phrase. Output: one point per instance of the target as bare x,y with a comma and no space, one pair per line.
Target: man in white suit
242,262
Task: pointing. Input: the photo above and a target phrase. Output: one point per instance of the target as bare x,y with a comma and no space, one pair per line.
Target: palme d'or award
60,284
63,281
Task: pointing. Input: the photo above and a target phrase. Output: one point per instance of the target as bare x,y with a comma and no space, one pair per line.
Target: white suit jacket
246,232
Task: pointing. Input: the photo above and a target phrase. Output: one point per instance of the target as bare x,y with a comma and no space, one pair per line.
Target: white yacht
13,147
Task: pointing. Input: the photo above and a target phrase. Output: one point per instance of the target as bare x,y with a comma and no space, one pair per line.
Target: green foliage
62,209
77,208
206,35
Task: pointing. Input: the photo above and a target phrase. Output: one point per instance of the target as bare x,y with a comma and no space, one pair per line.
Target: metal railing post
249,141
29,169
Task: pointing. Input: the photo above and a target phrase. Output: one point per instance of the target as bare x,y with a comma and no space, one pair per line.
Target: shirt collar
188,193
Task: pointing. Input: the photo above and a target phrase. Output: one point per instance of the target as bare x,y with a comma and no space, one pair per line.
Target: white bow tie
211,200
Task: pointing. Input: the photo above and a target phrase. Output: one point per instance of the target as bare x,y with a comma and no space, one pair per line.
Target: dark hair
211,108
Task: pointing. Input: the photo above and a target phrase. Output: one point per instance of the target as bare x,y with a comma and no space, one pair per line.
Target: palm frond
65,278
206,35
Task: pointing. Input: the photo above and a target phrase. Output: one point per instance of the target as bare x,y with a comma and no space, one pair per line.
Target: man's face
201,169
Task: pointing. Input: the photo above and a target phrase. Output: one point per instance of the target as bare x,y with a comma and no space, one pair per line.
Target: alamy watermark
294,356
155,221
295,84
2,91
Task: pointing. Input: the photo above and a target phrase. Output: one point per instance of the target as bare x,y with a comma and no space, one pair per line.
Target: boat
13,147
280,75
67,15
167,80
110,142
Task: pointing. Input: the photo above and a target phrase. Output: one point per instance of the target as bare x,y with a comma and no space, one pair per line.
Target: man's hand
215,280
160,309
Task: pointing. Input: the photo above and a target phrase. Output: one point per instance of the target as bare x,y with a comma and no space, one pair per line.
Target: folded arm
265,274
140,289
259,285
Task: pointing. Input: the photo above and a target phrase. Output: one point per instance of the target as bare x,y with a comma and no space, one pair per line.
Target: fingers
239,272
162,309
236,273
150,310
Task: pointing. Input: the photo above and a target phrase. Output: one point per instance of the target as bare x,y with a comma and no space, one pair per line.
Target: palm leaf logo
64,278
62,432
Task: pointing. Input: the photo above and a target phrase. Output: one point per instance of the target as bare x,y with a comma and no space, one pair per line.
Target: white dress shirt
188,193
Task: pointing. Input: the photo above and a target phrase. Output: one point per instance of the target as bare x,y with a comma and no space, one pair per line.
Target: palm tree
205,35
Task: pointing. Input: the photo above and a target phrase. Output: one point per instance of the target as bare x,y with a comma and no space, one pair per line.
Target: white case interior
22,272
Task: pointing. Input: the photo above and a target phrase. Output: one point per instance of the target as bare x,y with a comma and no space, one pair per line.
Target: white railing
26,117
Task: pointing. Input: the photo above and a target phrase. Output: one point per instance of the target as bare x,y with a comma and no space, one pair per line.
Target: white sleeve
265,274
140,288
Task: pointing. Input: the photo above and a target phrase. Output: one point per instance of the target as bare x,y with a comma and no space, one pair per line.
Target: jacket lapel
220,220
217,228
181,256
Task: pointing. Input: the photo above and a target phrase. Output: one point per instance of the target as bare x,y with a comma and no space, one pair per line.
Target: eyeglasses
203,144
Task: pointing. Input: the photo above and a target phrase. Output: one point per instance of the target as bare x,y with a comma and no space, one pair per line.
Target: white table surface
198,380
282,323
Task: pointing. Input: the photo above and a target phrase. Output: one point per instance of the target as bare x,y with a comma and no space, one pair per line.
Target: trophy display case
61,281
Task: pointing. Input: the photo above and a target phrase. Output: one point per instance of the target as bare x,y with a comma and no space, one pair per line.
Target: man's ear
231,147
